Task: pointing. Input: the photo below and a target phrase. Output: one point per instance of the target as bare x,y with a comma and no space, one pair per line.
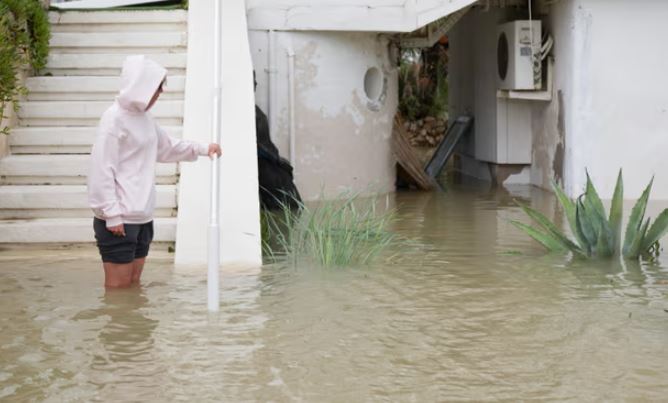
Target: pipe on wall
291,90
271,83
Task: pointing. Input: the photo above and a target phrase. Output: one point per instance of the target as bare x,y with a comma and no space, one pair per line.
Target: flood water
472,310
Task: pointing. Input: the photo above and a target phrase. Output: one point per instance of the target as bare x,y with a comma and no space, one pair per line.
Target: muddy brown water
472,310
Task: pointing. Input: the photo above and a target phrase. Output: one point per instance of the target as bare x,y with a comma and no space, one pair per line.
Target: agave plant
596,233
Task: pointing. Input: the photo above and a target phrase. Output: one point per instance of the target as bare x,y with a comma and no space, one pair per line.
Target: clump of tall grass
596,233
334,233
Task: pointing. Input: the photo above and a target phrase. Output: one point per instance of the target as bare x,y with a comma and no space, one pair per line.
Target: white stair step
87,113
118,17
90,88
99,42
60,170
87,109
60,140
66,230
52,201
66,197
104,21
99,64
25,214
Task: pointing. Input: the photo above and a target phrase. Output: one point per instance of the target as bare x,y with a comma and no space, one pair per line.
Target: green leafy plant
334,233
423,84
24,42
596,233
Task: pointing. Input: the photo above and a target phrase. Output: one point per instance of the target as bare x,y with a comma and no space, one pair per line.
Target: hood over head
140,78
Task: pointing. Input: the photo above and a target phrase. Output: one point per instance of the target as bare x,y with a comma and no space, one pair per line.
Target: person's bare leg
137,267
117,275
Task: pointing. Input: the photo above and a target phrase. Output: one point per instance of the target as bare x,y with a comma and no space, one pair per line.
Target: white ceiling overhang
94,4
349,15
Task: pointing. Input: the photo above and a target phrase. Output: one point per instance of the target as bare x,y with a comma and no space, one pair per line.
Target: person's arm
171,149
102,195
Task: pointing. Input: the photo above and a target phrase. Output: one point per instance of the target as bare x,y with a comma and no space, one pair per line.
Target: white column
239,212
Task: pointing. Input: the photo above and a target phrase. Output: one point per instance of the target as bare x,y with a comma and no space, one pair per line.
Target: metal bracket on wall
544,95
426,37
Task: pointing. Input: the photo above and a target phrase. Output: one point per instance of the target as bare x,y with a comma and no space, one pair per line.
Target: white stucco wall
551,122
609,109
619,114
239,211
341,143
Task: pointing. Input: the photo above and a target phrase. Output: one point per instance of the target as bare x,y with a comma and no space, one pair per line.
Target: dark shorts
123,249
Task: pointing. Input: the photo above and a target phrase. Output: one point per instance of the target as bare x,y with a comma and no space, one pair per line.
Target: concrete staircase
42,183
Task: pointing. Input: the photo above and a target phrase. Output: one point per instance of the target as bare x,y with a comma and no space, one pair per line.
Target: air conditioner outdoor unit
519,56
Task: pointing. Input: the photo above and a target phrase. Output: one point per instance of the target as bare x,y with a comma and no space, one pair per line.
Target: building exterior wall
551,122
619,115
609,109
342,140
609,106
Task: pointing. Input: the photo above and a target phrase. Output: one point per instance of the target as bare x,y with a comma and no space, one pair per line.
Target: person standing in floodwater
121,179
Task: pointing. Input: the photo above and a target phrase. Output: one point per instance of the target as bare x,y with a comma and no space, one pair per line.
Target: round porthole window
374,87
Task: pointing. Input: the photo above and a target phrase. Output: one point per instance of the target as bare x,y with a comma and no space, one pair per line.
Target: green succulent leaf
570,210
604,236
635,249
604,244
592,199
656,231
586,226
636,219
548,241
616,212
551,229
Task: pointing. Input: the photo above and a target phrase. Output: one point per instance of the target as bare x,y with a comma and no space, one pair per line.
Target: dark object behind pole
275,176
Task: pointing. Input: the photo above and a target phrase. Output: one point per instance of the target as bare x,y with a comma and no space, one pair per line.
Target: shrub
423,84
24,42
597,234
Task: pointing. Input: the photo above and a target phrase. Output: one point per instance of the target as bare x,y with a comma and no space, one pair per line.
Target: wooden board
407,160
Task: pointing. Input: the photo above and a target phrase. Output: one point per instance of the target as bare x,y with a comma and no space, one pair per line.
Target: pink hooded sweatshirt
121,180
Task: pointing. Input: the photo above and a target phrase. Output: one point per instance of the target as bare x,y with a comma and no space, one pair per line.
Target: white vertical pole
213,283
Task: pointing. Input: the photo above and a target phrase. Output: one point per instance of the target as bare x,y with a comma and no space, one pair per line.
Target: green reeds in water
596,233
345,232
